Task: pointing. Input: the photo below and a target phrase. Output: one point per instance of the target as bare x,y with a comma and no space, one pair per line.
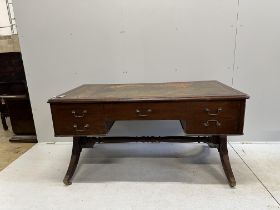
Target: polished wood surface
215,117
197,117
78,119
209,111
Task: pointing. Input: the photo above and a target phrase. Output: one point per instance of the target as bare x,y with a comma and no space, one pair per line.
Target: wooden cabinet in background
14,95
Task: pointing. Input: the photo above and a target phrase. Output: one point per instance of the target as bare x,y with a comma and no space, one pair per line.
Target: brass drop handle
142,113
213,114
77,115
207,124
75,126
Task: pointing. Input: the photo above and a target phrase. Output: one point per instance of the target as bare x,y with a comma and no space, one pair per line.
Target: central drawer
145,111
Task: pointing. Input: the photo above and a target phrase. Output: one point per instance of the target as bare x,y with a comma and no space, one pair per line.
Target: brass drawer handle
142,113
206,124
213,114
77,115
86,126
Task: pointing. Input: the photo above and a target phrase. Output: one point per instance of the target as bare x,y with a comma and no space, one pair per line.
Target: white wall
66,43
258,66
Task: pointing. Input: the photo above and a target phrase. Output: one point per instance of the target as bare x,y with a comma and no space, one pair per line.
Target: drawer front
145,111
215,117
77,119
201,117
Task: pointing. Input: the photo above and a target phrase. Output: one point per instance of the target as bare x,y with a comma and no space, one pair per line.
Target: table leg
221,142
76,151
3,119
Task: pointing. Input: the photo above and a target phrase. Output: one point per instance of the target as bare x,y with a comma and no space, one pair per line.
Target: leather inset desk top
200,90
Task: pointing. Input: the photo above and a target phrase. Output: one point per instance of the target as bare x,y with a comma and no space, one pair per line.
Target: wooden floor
10,151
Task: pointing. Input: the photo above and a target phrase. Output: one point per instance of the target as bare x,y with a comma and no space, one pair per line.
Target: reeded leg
222,148
76,151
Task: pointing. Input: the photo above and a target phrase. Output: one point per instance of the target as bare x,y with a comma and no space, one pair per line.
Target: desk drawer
145,111
215,117
78,119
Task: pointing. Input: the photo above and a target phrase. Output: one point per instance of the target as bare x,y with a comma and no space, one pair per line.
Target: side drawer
145,111
78,119
215,117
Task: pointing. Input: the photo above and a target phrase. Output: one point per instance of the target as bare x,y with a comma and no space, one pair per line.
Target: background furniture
4,114
14,97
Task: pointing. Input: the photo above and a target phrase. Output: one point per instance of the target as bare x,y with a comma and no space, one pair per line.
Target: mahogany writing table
209,111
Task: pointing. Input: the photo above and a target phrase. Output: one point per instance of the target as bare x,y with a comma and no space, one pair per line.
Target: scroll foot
67,180
222,148
228,170
76,151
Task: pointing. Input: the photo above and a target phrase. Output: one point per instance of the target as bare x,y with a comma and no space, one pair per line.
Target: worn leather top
198,90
